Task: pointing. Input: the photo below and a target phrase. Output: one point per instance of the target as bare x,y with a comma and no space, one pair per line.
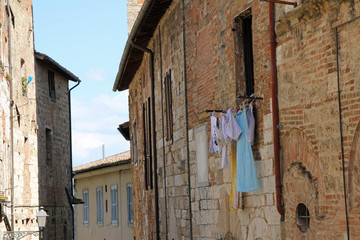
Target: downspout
275,109
187,122
11,118
71,165
341,131
163,134
144,49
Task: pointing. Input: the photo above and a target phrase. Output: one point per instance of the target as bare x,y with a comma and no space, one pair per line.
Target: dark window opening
302,217
244,58
48,136
51,80
168,107
106,205
147,144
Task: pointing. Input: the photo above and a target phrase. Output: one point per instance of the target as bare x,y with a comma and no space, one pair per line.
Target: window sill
115,224
86,224
100,224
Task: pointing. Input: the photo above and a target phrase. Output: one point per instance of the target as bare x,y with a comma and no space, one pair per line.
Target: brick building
183,58
35,151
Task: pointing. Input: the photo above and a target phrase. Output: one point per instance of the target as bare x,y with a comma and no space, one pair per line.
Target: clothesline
252,98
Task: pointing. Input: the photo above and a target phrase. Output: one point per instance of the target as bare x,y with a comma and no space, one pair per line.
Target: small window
244,59
99,206
51,80
302,217
114,205
168,107
49,151
86,206
129,203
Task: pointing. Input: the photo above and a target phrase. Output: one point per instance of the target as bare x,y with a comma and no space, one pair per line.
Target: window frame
99,207
114,205
86,206
244,57
130,213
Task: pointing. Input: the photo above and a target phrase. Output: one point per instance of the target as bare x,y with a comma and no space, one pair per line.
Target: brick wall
309,112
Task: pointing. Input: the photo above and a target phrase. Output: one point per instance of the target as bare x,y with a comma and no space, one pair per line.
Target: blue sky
88,38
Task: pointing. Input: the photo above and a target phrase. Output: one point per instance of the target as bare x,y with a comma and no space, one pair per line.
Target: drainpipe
187,122
71,166
163,135
341,131
144,49
11,118
275,109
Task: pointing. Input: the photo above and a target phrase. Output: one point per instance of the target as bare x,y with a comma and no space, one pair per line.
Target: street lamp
41,219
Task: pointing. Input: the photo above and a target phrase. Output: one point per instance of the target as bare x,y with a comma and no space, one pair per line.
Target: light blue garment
245,167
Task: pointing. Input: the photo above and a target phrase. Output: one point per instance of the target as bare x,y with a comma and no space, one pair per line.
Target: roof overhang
124,130
144,27
52,63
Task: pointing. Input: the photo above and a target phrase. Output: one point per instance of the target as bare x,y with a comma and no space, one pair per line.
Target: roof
49,61
144,27
124,130
118,159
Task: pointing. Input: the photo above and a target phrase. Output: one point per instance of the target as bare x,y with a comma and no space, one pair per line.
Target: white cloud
95,123
97,74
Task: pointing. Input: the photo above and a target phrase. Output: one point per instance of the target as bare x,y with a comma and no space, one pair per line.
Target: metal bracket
281,2
19,234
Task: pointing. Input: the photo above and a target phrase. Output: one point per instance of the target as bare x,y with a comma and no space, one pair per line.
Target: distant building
106,189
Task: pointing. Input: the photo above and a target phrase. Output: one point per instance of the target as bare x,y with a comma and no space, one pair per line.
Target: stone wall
54,169
21,159
133,8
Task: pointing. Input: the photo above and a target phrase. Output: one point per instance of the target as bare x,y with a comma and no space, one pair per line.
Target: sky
88,38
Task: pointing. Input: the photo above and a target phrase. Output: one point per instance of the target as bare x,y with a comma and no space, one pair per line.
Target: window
147,144
129,203
244,54
48,136
51,80
134,144
99,205
86,206
168,107
114,205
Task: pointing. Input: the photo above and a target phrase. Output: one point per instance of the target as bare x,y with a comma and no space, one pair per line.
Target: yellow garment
235,197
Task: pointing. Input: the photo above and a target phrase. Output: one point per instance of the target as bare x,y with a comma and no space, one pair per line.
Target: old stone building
35,145
186,58
54,145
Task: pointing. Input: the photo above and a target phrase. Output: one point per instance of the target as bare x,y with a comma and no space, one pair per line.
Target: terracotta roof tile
118,158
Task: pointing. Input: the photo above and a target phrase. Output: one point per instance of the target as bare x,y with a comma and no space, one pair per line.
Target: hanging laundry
231,131
235,197
251,122
215,135
246,171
